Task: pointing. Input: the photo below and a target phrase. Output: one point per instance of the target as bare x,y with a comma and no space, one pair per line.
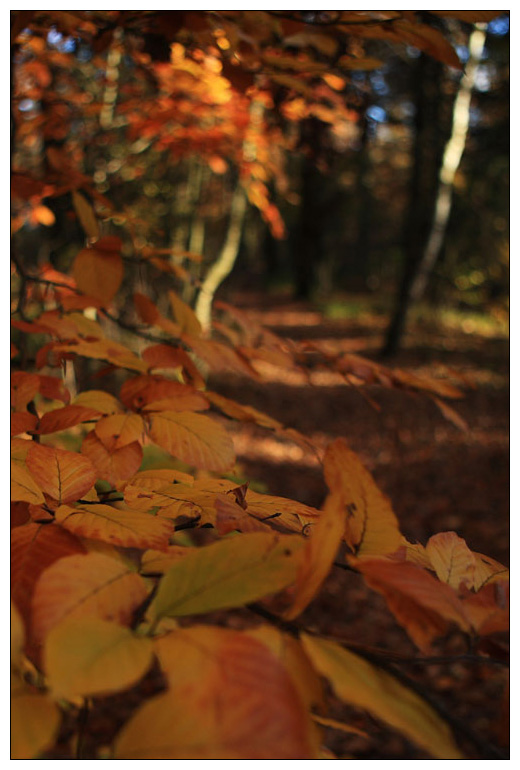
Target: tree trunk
420,263
222,267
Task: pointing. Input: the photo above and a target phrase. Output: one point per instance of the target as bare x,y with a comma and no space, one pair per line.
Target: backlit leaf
358,682
228,573
242,411
229,698
85,585
159,394
451,559
371,526
320,551
289,513
193,438
488,571
90,656
23,486
130,529
104,350
219,357
232,517
62,475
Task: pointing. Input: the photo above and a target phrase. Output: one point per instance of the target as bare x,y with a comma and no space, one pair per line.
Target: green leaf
89,656
229,573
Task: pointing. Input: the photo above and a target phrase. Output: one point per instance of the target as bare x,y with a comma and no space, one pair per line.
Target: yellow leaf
371,527
23,486
35,720
193,438
228,573
358,682
451,559
289,513
129,529
100,400
320,550
229,698
89,656
184,315
17,635
85,214
85,585
104,350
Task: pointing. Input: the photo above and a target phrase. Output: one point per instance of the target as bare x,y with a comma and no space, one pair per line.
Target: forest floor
438,476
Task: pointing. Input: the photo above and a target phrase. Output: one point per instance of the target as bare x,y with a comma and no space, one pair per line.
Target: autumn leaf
318,556
35,721
103,402
23,486
115,465
66,417
85,585
98,270
85,214
193,438
242,411
130,529
229,698
34,547
184,315
64,476
451,559
21,422
118,430
24,387
357,682
232,517
371,526
229,573
90,656
423,605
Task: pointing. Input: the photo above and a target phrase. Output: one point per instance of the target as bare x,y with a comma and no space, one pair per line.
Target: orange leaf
488,609
242,411
24,386
113,352
21,422
112,465
126,528
320,551
423,605
64,476
53,388
98,273
34,547
23,486
65,417
229,698
193,438
147,390
85,585
118,430
99,400
219,357
371,527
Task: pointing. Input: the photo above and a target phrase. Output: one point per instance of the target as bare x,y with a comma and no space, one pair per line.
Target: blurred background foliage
340,170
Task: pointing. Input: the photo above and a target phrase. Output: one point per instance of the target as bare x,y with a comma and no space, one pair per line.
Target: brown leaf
115,465
98,273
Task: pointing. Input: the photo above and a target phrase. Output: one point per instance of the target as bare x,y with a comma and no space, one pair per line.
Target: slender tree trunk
450,163
222,267
421,261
